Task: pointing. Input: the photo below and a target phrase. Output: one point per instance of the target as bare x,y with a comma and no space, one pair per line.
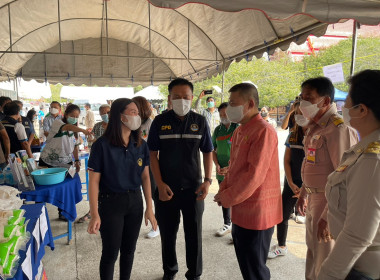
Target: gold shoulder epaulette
337,120
373,148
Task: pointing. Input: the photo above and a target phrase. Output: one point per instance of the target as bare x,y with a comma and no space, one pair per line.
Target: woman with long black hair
118,166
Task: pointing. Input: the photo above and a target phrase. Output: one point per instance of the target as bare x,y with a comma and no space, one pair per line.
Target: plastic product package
5,249
9,199
9,213
10,269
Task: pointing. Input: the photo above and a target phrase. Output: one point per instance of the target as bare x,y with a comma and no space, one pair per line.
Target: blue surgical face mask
105,118
71,120
210,104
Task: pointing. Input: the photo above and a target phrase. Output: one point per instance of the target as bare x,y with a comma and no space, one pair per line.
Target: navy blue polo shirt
120,167
179,142
28,124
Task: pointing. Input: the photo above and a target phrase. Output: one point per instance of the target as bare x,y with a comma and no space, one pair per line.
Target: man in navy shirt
174,141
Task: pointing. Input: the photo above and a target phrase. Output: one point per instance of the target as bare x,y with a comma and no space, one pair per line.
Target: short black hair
56,102
322,85
87,104
247,90
222,106
365,89
11,109
180,82
4,99
18,102
210,97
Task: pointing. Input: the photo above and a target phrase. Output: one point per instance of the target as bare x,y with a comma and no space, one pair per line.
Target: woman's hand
224,170
296,190
218,169
323,233
149,215
77,166
94,224
86,132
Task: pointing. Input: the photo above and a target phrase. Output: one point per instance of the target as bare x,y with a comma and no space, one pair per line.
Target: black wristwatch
208,180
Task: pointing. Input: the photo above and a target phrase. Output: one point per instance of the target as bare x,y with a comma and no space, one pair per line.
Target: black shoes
168,277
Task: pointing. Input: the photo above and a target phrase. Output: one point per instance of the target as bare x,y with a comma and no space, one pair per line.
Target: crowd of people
332,174
331,177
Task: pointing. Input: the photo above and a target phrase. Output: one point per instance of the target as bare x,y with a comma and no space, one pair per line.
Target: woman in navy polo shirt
119,165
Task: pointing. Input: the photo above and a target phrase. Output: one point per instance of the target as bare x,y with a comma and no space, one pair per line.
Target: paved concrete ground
80,260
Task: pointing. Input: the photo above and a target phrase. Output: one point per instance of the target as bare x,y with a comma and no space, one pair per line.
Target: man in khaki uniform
89,120
326,139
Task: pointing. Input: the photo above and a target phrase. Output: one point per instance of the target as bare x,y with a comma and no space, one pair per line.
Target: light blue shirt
48,121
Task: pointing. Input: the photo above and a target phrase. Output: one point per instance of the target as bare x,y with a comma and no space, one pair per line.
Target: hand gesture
202,94
202,191
217,199
165,193
301,205
323,232
149,215
94,224
86,132
224,170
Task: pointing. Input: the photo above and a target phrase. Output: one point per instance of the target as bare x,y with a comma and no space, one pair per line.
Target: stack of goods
13,234
21,167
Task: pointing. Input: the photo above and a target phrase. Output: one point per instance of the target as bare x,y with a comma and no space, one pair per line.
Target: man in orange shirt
252,185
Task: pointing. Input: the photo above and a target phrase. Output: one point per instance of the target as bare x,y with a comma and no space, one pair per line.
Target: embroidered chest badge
166,127
341,168
140,162
194,127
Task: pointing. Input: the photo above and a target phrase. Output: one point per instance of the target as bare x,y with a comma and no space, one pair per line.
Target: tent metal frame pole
10,28
59,26
150,41
188,39
224,71
110,55
106,25
354,44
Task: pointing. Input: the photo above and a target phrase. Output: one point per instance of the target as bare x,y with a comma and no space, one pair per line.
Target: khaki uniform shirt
324,144
353,194
89,120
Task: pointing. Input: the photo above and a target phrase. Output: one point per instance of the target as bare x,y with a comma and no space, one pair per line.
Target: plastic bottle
9,177
2,178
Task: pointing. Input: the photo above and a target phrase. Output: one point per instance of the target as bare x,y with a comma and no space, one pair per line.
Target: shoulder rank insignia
337,120
373,148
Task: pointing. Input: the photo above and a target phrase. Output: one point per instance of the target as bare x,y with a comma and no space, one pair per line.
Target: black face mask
264,114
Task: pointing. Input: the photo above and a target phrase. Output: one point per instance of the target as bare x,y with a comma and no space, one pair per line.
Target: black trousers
168,214
288,203
121,216
251,248
226,213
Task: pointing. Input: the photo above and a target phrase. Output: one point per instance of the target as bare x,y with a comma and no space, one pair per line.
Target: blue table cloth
64,195
32,214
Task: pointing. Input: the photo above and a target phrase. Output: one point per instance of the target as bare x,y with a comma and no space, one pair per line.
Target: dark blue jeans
121,216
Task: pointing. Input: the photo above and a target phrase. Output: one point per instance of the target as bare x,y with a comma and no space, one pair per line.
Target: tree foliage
279,79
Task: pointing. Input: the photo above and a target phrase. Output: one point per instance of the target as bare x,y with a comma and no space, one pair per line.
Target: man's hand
202,94
164,192
301,205
217,199
218,169
224,170
296,190
202,191
94,224
323,232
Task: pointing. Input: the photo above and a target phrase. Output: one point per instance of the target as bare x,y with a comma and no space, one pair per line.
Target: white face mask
181,106
301,120
308,109
225,121
235,114
54,111
133,123
346,115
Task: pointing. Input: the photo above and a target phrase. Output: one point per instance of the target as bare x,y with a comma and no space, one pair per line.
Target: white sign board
334,73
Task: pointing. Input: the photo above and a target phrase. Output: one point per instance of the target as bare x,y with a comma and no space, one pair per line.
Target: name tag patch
166,127
311,155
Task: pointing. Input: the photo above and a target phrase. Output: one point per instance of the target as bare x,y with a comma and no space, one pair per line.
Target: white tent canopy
28,89
96,94
150,93
132,42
